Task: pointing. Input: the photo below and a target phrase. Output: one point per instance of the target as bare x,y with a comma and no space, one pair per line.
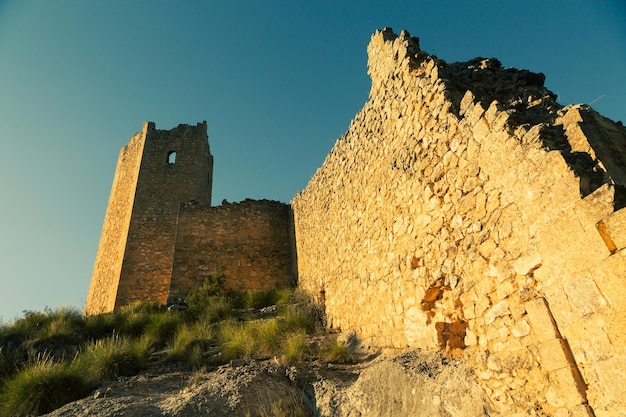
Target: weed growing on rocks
113,357
42,386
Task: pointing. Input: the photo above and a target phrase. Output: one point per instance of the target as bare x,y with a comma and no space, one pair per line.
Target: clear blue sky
277,82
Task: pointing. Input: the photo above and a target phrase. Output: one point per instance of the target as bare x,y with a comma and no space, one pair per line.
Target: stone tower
156,171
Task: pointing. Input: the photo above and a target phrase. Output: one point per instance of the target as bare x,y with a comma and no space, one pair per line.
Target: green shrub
113,357
63,325
215,309
259,299
258,338
255,299
204,330
27,325
133,323
336,352
42,387
190,343
283,295
300,312
182,343
211,285
237,340
194,356
290,403
163,326
299,316
294,348
103,325
143,307
267,334
198,298
7,367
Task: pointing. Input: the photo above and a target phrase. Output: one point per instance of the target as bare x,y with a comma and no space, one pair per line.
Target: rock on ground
415,383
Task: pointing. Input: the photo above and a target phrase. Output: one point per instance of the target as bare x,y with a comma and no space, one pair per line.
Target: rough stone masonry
465,210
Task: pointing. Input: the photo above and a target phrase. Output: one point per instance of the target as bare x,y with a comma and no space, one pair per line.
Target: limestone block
609,278
554,354
505,289
494,363
467,102
481,305
616,228
583,247
481,127
541,320
582,410
595,207
498,125
513,345
417,331
566,389
527,263
468,310
470,338
521,329
486,248
612,379
498,310
583,295
474,116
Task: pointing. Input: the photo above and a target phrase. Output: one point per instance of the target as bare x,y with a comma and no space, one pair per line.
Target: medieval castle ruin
464,210
161,236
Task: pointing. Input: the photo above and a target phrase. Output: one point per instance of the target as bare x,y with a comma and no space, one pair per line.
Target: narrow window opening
171,157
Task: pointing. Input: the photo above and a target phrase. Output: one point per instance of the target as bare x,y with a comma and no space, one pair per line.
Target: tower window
171,157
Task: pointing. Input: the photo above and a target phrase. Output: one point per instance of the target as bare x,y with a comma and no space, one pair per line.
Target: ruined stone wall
465,210
106,273
135,257
249,242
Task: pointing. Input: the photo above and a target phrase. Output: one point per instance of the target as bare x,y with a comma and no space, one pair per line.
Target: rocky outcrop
415,383
412,384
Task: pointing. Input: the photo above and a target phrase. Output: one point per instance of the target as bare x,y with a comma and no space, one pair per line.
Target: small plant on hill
337,352
299,316
289,403
259,299
189,343
113,357
27,325
294,348
202,299
163,326
237,340
133,323
62,324
102,325
42,387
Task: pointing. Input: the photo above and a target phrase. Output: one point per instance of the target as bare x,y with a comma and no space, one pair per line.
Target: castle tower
156,171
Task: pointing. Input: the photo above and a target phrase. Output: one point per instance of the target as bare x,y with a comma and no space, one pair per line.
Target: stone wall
107,268
249,242
465,210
